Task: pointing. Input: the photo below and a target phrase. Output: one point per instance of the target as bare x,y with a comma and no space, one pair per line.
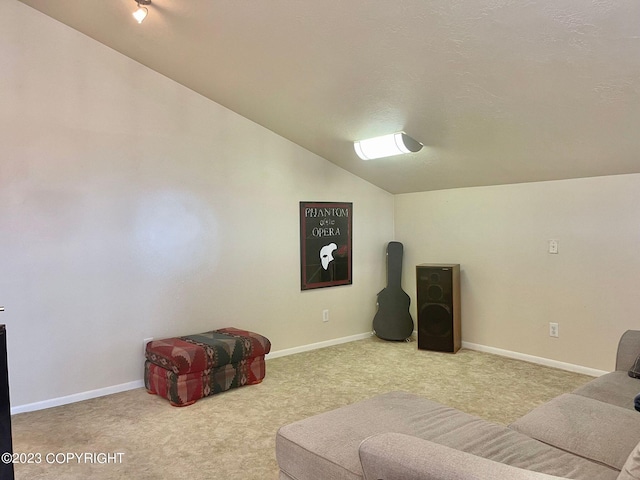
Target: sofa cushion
395,455
616,388
631,468
589,428
326,445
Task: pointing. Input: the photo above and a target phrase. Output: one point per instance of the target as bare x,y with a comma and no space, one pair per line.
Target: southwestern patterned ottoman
186,369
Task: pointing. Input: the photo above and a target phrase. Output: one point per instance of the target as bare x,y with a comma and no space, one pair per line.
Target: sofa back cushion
631,468
584,427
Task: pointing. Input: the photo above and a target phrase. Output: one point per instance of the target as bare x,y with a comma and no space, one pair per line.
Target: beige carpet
231,435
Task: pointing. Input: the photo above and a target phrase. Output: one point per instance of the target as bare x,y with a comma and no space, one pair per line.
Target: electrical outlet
553,247
325,315
144,345
553,329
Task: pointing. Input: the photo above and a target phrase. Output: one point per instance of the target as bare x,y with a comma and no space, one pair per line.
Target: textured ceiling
498,91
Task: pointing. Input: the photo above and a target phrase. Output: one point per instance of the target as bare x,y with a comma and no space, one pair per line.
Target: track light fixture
141,13
386,146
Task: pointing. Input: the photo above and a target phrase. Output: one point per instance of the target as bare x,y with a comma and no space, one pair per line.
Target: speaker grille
438,313
435,292
439,319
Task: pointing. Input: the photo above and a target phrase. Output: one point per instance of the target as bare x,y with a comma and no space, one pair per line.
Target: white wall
511,287
131,207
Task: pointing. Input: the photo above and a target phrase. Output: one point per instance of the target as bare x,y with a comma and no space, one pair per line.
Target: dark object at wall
438,307
6,444
393,320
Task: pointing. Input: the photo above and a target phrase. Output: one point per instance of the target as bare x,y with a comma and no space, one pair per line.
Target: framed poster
325,244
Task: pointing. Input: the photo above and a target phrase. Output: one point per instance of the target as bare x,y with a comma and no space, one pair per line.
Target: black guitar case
393,320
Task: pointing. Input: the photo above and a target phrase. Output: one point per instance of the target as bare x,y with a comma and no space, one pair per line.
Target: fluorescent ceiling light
386,146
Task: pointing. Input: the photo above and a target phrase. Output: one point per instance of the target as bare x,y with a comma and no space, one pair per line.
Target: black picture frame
325,244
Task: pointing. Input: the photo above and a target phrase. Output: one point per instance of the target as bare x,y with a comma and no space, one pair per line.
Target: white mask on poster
326,254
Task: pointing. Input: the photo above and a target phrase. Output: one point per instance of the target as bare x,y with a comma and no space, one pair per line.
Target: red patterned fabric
186,369
177,355
195,353
183,390
259,345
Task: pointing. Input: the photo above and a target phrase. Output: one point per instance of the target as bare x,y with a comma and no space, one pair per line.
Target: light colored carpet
232,435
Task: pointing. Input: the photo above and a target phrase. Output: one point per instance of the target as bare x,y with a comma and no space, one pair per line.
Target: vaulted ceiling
498,91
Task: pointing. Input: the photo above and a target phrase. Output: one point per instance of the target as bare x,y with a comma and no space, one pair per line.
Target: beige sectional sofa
592,433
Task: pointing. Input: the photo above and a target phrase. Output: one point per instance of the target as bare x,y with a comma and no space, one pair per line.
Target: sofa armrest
628,350
394,456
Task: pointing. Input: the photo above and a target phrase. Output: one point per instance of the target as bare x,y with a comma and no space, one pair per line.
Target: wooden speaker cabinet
438,297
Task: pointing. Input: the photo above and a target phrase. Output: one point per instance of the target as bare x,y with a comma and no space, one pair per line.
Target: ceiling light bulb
386,146
140,14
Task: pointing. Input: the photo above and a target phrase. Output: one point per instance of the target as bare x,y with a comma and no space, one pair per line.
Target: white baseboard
123,387
315,346
533,359
77,397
